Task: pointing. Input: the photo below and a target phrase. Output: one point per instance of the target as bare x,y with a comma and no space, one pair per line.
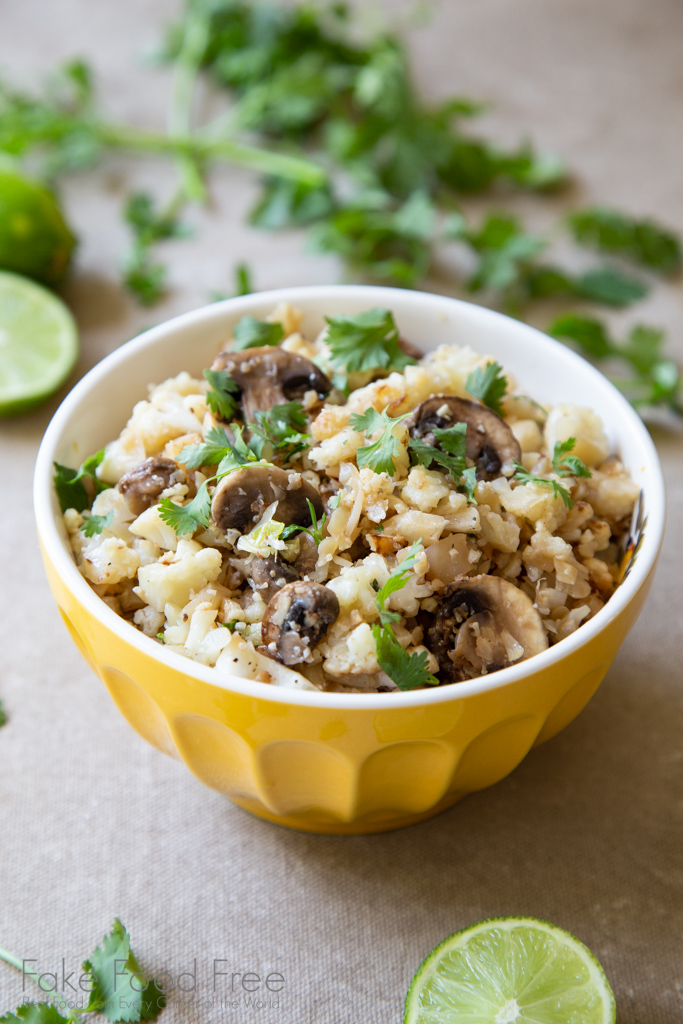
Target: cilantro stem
28,972
184,79
265,161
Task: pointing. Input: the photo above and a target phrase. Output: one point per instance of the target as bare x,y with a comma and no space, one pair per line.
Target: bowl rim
65,566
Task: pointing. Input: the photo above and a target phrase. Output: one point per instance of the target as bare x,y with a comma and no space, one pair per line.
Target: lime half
510,970
38,344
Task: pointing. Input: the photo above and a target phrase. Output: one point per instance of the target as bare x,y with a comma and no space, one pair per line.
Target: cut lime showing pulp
38,344
510,970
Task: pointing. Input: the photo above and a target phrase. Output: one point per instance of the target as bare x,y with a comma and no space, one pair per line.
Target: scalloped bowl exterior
340,763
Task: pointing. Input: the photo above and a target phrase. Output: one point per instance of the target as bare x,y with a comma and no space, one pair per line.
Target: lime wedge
510,970
38,344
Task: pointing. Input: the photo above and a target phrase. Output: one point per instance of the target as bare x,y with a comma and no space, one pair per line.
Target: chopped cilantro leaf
564,465
610,286
209,453
367,341
280,427
488,385
71,491
231,624
453,459
3,715
381,453
94,525
397,580
408,671
427,454
642,241
315,530
252,333
187,518
221,394
117,981
34,1013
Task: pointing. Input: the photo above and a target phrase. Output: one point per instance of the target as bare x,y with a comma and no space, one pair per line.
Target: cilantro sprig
280,431
450,453
221,396
367,341
70,486
315,531
564,465
489,384
408,671
380,454
217,450
94,524
252,333
654,379
117,987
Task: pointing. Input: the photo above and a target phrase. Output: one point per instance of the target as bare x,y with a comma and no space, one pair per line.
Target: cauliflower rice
498,571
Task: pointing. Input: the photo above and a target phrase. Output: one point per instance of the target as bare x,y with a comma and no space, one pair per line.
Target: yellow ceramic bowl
328,762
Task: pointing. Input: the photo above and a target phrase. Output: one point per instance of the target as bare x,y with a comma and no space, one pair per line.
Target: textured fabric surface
586,833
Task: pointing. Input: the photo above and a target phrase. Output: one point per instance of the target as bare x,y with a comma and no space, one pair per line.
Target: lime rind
510,970
38,344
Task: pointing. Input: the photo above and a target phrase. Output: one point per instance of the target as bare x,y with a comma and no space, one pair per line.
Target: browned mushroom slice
490,443
270,376
268,575
296,619
242,497
142,485
483,624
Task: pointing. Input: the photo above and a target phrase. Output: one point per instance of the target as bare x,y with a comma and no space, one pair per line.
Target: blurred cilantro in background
349,150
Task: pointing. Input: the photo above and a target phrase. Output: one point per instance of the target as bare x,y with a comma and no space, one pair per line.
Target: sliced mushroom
490,443
268,376
268,575
483,624
242,497
142,485
296,619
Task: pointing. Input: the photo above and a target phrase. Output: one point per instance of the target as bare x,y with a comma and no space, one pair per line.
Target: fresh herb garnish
144,276
489,385
3,715
564,465
231,624
654,379
450,453
367,341
94,525
187,518
279,431
117,988
71,491
315,531
252,333
408,671
642,241
381,453
221,394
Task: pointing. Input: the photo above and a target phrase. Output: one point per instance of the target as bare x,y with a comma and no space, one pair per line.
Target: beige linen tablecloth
586,833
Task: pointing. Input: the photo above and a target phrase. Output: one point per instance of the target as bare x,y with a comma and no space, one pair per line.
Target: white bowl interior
100,404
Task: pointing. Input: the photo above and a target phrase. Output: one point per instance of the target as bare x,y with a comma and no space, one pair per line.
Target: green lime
510,970
38,343
34,238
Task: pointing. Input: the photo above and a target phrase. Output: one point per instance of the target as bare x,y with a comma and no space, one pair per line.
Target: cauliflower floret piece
109,560
149,621
172,583
126,452
150,526
238,658
577,421
353,654
528,434
424,489
342,447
